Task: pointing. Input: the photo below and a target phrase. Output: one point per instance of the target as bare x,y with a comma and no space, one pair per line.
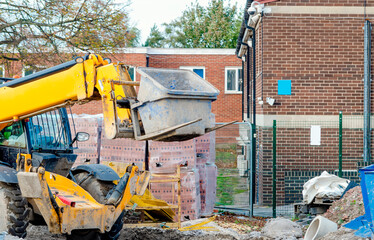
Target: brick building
220,67
309,65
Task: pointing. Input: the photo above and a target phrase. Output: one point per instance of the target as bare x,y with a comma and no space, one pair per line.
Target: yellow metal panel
90,76
109,93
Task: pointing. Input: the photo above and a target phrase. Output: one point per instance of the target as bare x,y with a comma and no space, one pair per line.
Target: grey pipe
367,91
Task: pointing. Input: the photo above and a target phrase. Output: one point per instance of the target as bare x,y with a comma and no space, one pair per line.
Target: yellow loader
37,181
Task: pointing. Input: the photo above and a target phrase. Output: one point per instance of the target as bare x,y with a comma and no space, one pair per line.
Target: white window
198,70
233,80
2,71
132,73
27,70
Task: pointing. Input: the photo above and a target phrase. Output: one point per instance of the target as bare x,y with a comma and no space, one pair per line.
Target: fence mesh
304,149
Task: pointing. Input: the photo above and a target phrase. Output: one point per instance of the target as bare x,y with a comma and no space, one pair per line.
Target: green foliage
214,26
155,38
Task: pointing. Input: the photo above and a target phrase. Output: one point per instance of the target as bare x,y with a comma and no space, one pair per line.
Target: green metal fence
301,150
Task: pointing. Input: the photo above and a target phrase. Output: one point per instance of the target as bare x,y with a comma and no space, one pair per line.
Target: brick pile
88,151
205,163
164,157
190,194
196,156
122,150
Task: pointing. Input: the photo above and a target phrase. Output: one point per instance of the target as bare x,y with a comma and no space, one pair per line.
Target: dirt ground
226,227
232,227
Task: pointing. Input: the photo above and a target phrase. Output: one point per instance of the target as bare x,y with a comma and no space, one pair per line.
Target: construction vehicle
37,181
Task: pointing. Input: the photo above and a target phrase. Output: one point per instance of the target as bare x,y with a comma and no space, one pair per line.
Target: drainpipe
254,73
252,197
248,79
367,91
245,57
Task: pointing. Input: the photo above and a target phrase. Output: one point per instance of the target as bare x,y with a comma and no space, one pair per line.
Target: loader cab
47,137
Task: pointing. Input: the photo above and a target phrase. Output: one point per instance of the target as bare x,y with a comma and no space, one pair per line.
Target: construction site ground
226,227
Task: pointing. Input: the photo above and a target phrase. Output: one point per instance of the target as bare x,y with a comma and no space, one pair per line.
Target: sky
145,13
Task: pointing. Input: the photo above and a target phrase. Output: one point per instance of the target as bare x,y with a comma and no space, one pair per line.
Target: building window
2,71
198,70
28,70
233,80
132,73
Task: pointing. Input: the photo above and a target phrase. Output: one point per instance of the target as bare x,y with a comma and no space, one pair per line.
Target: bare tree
39,31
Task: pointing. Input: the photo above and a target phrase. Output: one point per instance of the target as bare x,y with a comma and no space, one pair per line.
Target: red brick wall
323,56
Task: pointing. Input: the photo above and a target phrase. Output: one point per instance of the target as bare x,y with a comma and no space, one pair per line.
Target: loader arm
91,78
78,81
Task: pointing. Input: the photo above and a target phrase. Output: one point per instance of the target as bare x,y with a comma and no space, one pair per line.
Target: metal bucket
170,97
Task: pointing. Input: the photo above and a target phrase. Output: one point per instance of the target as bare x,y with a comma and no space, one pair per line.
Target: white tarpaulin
324,186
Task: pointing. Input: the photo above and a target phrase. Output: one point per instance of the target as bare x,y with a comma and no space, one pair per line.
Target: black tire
83,235
14,213
99,190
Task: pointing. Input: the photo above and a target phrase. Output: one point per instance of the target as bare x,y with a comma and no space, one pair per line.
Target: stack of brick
197,158
190,194
122,150
88,151
205,163
165,157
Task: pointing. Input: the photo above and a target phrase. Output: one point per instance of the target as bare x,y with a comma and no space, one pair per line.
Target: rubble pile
348,208
196,156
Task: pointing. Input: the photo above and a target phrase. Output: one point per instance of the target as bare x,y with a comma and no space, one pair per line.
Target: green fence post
274,168
252,190
340,143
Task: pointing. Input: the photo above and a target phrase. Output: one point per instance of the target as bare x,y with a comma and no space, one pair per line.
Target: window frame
192,68
22,137
227,91
3,66
34,69
26,68
133,67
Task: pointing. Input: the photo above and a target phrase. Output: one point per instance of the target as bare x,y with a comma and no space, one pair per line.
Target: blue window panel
199,72
284,87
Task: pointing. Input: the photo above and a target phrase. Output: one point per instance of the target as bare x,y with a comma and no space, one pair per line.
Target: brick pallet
196,156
